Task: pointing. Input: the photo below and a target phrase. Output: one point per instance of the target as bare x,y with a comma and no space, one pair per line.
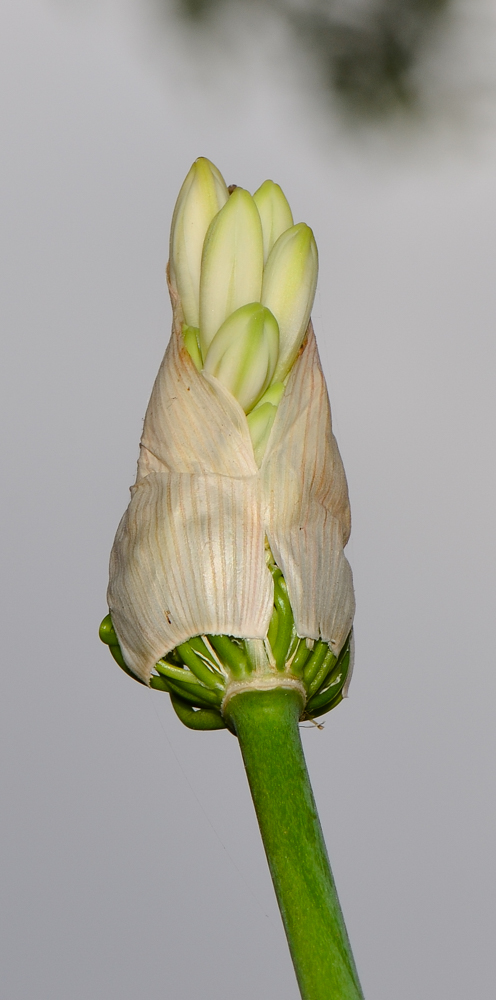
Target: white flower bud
202,195
232,264
289,283
275,213
243,353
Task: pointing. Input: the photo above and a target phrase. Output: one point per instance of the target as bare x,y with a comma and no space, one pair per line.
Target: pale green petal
275,213
202,195
232,264
243,353
290,279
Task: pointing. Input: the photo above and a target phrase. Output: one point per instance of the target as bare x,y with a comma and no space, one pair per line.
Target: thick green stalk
266,724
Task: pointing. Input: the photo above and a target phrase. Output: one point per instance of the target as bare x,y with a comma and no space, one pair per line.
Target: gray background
131,863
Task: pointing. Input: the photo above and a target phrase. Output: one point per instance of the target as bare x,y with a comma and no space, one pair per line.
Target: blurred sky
131,862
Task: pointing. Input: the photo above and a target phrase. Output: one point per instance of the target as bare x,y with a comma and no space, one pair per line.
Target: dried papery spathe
189,554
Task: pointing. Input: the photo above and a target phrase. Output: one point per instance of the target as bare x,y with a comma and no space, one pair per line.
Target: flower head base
228,568
191,335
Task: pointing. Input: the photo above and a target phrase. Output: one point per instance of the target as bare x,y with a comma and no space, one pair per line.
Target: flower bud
290,279
260,422
262,417
275,214
273,395
230,555
243,353
202,195
232,264
192,345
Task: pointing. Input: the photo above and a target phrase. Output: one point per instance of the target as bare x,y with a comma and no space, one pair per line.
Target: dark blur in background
366,50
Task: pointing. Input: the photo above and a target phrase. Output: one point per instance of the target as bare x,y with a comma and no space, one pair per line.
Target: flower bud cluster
228,569
246,278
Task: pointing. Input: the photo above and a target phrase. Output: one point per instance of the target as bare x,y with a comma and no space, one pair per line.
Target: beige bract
189,557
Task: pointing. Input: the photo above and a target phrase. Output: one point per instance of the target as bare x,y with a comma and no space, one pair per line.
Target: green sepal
201,718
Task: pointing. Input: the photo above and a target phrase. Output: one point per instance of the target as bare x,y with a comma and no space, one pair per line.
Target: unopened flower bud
273,395
243,353
262,417
260,422
275,213
202,195
232,264
191,337
290,279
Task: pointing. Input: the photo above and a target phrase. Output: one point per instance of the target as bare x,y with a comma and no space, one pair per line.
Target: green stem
266,724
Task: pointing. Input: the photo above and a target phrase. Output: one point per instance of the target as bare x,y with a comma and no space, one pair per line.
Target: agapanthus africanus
229,588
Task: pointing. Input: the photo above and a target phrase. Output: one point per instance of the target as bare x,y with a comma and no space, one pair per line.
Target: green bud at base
191,337
273,395
260,422
202,195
